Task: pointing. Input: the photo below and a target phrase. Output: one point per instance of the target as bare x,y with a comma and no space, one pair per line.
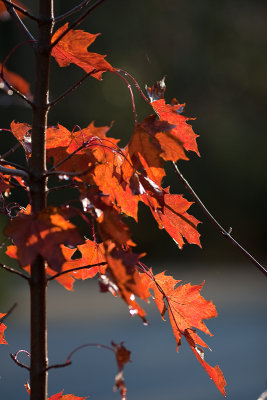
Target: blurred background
215,57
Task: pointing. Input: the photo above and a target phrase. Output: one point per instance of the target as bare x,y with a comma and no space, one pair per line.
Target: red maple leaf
14,80
72,48
172,113
21,131
122,278
170,211
2,329
43,233
91,253
187,309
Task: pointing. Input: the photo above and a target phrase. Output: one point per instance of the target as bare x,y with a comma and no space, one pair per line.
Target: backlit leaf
43,233
72,48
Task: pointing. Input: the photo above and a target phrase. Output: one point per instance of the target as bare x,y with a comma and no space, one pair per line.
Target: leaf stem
131,94
75,269
14,271
68,91
226,233
13,13
10,151
72,11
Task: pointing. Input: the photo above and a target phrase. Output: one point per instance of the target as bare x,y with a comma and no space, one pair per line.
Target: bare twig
22,10
68,360
76,269
15,358
14,172
14,271
71,89
77,22
12,164
72,11
13,13
135,83
10,151
131,94
226,233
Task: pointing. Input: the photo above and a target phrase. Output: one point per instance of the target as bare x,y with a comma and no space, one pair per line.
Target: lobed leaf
43,233
187,309
72,48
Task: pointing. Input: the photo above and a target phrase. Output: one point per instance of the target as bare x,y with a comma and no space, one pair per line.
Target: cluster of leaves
110,182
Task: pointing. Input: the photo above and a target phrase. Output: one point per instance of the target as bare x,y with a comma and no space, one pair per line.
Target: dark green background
214,55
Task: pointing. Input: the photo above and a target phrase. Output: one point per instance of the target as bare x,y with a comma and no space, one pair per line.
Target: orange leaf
187,309
92,253
2,329
72,48
169,210
181,132
61,396
143,146
14,80
65,280
122,278
214,373
111,226
22,134
43,233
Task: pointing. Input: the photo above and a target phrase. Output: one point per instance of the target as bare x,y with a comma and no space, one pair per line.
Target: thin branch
68,361
13,13
72,11
67,186
226,233
14,271
131,94
10,151
20,9
8,313
135,83
76,269
14,172
18,93
77,22
12,164
15,358
68,91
